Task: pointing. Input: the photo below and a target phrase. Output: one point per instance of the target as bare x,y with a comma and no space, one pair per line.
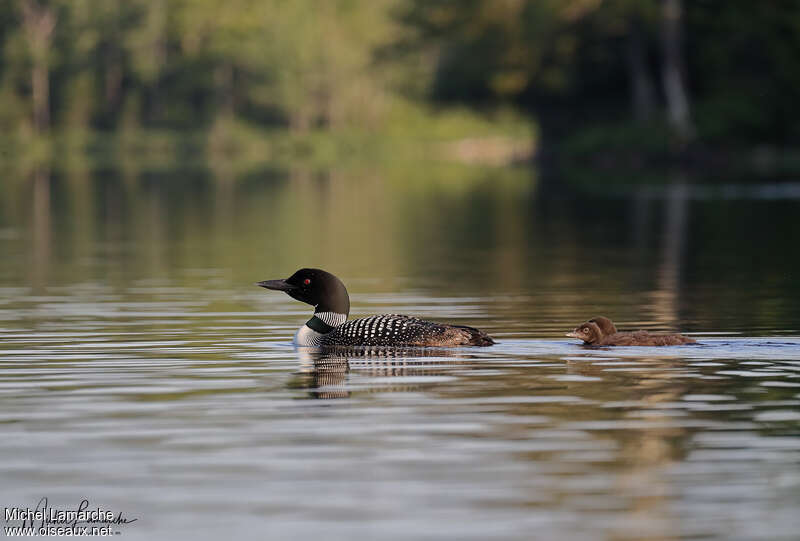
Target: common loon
601,331
329,325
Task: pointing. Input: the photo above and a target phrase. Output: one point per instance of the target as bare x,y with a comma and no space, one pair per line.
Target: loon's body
329,325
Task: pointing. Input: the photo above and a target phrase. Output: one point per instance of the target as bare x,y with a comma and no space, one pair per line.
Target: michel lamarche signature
43,515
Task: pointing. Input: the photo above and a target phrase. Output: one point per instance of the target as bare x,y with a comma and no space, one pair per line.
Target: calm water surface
140,368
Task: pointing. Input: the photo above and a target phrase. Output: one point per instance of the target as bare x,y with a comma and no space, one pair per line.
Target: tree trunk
39,22
155,26
40,82
642,88
224,77
113,80
673,69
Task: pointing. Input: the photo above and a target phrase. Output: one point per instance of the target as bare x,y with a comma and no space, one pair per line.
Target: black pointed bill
277,285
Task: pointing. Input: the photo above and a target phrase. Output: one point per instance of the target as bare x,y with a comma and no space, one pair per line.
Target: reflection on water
142,370
667,257
325,372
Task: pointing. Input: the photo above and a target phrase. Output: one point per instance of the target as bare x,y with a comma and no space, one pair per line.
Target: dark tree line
716,70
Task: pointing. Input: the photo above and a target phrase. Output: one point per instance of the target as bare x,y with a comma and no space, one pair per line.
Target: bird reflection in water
326,372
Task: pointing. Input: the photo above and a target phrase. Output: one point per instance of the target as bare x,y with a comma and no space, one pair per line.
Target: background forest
620,80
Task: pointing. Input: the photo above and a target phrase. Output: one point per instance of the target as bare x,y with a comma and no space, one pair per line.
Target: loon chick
600,331
329,325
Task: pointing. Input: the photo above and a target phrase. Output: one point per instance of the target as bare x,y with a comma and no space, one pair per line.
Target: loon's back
399,330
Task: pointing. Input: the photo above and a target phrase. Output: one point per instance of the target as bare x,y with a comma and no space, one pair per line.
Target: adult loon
329,325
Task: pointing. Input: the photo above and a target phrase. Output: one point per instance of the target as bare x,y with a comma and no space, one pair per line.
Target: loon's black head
316,287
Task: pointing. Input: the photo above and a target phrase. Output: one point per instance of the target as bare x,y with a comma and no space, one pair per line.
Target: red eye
307,281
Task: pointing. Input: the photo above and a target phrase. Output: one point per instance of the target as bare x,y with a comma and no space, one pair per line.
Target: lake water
141,369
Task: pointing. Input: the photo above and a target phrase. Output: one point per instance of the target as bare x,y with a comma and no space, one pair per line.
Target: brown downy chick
600,331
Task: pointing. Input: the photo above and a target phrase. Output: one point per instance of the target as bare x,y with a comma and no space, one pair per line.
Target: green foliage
621,139
181,63
579,63
243,71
